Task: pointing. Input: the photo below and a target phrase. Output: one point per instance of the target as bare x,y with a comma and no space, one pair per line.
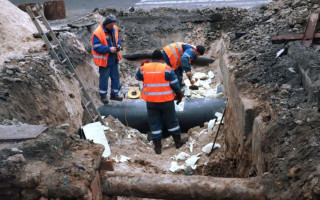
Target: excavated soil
284,90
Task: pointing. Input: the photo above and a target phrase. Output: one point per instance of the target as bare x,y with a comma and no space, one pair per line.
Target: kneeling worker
159,85
179,55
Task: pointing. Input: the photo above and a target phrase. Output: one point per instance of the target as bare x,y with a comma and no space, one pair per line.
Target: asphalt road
83,7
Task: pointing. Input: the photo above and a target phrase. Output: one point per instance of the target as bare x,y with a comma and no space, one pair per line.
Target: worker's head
157,55
200,49
109,21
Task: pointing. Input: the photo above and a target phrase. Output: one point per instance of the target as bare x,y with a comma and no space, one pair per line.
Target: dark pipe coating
134,112
198,60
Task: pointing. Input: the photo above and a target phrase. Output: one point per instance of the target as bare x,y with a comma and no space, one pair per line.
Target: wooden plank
20,132
311,28
279,39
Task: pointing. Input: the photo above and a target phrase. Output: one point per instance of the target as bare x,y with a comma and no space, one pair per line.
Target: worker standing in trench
106,45
179,55
159,85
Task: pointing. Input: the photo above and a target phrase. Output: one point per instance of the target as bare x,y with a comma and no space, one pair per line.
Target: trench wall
243,125
307,62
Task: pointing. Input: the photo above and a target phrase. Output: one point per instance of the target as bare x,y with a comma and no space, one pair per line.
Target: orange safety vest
174,52
155,87
102,59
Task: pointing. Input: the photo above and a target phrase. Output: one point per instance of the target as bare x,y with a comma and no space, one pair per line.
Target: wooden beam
311,28
166,186
279,39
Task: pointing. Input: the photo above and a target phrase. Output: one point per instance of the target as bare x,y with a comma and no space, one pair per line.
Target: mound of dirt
289,85
55,165
16,29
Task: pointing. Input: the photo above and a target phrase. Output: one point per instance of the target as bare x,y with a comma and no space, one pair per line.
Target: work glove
118,47
144,62
179,98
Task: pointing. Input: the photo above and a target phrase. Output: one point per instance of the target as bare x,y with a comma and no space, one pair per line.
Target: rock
131,9
292,171
17,80
29,76
18,158
8,79
284,93
239,34
64,126
10,72
14,149
316,188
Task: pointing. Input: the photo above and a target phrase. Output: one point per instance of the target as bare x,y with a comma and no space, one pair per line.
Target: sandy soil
16,29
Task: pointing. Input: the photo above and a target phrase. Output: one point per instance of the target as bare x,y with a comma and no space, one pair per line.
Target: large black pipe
197,61
195,112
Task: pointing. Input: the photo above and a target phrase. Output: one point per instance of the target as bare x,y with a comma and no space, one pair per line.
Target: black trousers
162,115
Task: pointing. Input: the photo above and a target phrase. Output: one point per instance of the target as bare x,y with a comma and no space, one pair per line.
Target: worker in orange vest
106,45
159,86
179,55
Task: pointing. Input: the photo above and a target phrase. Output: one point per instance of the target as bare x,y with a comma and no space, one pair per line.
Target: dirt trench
270,130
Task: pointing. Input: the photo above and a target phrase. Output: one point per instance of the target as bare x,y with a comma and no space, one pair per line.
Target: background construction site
266,61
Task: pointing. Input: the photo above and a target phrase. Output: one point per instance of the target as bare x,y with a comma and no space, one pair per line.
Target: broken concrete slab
20,132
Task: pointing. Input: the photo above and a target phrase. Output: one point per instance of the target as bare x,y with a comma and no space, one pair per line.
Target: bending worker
159,85
179,55
106,45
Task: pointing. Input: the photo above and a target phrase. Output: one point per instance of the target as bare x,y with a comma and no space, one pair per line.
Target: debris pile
56,164
288,84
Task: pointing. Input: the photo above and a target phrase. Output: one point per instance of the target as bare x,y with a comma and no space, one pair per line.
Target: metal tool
221,123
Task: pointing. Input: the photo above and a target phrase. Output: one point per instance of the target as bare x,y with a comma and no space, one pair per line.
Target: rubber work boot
116,98
104,100
157,146
178,141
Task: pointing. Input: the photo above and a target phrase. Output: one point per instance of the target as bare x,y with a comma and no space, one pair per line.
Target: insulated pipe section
190,112
197,61
166,186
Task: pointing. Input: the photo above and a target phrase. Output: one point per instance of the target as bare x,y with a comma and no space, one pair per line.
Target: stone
10,72
17,79
284,93
18,158
8,79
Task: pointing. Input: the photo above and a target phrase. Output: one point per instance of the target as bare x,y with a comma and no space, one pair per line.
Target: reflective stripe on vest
157,93
155,87
102,59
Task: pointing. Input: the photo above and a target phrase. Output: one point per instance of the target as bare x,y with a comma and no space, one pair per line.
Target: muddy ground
37,90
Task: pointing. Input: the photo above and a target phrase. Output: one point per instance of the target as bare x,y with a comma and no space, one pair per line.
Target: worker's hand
189,75
113,49
179,98
144,62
